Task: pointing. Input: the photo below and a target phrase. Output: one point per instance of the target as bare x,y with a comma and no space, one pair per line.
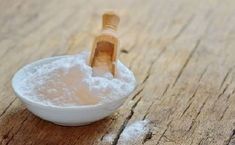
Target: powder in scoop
69,81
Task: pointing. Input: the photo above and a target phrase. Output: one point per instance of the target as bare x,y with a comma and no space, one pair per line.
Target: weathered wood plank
181,53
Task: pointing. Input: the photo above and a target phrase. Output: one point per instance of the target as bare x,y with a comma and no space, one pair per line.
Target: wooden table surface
181,52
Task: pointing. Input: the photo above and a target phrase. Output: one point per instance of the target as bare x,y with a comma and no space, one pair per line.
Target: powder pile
131,134
69,81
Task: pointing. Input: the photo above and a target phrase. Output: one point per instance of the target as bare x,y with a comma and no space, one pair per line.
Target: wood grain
182,53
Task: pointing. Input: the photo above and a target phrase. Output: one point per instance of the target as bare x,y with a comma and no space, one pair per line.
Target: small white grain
131,134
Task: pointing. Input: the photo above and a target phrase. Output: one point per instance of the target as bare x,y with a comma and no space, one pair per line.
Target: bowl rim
39,104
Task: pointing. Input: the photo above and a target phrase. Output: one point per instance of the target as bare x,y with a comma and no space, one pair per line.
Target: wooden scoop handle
110,21
104,49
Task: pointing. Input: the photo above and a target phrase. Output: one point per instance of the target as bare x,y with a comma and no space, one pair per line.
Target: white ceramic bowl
66,116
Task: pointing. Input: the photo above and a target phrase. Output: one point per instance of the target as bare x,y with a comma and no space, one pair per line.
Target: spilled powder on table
131,134
109,138
69,81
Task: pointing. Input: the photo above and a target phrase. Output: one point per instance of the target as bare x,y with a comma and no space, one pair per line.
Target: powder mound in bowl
70,81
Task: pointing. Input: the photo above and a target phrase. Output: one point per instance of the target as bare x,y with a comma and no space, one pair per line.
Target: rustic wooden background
182,53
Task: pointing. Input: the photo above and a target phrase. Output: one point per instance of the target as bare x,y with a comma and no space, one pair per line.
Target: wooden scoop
104,49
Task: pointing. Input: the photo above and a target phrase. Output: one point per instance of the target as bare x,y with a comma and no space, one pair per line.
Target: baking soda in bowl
70,81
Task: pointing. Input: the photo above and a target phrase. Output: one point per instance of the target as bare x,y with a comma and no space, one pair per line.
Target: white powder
109,138
134,131
131,134
69,81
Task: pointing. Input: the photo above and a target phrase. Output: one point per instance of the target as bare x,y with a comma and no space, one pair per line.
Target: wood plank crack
8,106
194,93
21,125
147,112
225,77
230,137
186,62
185,110
123,126
222,116
148,136
198,113
220,94
137,93
152,64
164,132
184,27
